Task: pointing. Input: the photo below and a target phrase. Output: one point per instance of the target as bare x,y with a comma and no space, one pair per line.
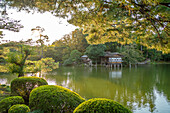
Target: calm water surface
143,89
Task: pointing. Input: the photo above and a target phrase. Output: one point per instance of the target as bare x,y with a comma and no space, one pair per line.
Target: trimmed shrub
54,99
19,108
22,86
6,103
101,105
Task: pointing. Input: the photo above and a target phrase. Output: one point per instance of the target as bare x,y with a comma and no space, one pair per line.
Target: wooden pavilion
111,59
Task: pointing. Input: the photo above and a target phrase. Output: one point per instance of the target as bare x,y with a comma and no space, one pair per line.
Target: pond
142,89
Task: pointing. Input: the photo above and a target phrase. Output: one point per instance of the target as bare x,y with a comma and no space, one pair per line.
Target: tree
17,60
6,22
131,55
43,65
78,41
42,38
51,52
75,55
122,21
69,42
95,51
74,58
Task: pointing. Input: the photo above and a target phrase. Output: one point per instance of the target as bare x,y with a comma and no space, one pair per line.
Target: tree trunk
21,75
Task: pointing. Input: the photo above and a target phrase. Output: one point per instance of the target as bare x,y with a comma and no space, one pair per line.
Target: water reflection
143,89
3,81
115,74
137,88
6,78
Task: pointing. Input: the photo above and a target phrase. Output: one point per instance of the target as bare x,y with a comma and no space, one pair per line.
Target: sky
54,27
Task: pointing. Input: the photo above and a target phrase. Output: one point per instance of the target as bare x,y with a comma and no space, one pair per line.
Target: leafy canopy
122,21
95,51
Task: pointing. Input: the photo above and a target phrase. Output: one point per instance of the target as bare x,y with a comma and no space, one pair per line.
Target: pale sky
55,27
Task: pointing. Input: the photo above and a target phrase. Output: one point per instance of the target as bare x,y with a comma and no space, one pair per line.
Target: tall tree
131,55
95,51
17,60
42,38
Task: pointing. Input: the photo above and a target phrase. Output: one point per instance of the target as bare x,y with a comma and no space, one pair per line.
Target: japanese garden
84,56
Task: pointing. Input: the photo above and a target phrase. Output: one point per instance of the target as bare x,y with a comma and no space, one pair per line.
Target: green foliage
68,62
6,103
37,111
112,20
68,43
17,60
54,99
49,52
95,51
101,105
19,108
74,58
43,65
48,64
3,69
154,55
131,54
75,55
22,86
34,57
4,91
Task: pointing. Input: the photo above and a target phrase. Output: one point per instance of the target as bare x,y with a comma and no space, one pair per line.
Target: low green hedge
6,103
54,99
101,105
22,86
19,108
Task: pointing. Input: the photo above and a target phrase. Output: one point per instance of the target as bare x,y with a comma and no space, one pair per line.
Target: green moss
101,105
22,86
6,103
19,108
54,99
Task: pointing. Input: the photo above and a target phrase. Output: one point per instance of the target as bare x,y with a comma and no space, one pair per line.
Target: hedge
101,105
19,108
54,99
6,103
22,86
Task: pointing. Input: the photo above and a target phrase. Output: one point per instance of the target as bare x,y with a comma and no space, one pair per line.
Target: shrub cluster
45,98
22,86
19,108
101,105
54,99
6,103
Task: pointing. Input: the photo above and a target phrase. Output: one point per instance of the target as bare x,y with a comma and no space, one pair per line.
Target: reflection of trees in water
162,81
6,78
135,89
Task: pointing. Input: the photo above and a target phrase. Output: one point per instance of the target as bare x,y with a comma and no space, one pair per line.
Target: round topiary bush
54,99
101,105
6,103
19,108
22,86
